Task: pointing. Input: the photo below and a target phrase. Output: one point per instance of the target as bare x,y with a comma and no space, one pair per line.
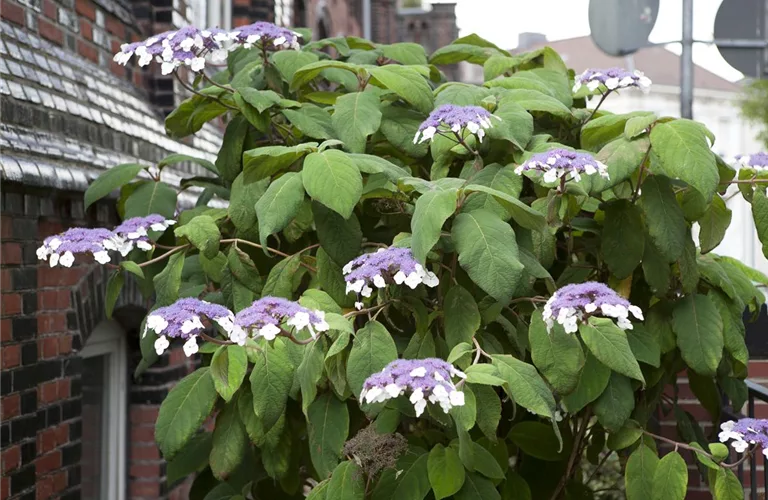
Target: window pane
94,386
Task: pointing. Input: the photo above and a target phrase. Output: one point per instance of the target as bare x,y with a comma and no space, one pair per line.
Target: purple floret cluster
385,266
744,432
60,249
572,303
559,162
267,314
450,117
191,46
612,79
757,161
182,319
427,379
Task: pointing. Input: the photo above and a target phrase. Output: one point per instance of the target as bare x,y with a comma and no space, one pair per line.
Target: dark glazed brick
29,353
31,206
6,383
75,387
24,328
71,321
77,342
13,203
24,278
72,495
24,378
49,370
5,434
75,430
24,229
23,427
29,303
148,396
74,476
29,402
70,455
29,254
23,479
53,416
28,452
71,409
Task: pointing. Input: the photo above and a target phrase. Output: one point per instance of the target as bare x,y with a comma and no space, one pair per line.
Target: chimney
527,40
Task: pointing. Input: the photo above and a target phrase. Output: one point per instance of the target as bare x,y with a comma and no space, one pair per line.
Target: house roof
658,63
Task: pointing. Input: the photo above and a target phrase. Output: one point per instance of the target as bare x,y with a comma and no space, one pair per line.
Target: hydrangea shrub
430,289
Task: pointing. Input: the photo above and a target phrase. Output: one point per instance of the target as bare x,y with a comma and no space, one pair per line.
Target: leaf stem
204,96
352,314
166,254
212,340
700,451
602,99
278,252
640,175
574,453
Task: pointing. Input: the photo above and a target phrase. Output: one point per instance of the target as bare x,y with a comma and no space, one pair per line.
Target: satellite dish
621,27
745,20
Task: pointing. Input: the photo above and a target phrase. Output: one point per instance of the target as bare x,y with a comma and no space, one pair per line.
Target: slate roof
65,119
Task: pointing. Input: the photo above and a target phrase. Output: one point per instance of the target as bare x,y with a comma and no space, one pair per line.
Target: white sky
500,21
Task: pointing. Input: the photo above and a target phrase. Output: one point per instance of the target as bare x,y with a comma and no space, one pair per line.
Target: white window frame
108,338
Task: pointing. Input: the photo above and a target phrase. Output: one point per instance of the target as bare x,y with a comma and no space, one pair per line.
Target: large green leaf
228,368
193,113
600,131
114,287
190,459
644,345
308,72
310,371
682,148
533,100
280,279
487,250
670,480
457,52
615,404
727,486
663,216
522,214
592,382
241,202
230,443
312,121
488,410
524,385
340,238
413,482
203,233
279,204
405,53
502,179
110,180
168,281
713,224
699,330
333,179
623,238
399,125
266,161
622,157
371,164
271,379
556,354
151,198
445,470
356,116
477,488
407,83
760,216
610,346
372,349
539,440
638,476
431,211
462,318
184,410
327,428
347,482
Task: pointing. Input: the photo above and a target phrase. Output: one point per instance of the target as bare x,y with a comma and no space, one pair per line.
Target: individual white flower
161,344
190,346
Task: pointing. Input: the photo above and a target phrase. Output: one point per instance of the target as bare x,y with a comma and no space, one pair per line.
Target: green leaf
266,161
405,53
271,379
431,211
459,351
413,481
622,157
313,121
356,116
644,345
327,428
228,368
168,281
280,280
320,491
288,62
190,459
151,198
713,224
421,346
462,317
615,404
308,72
244,270
341,239
760,216
175,158
664,217
623,238
477,488
610,346
522,214
194,112
261,100
330,277
372,349
114,287
533,100
625,437
407,83
638,476
487,251
488,410
230,443
638,125
241,202
133,268
203,233
556,354
309,373
538,440
332,178
727,486
670,480
183,411
502,179
598,132
229,162
484,374
110,180
279,205
446,472
485,463
524,385
592,382
371,164
699,329
684,153
399,126
457,52
347,482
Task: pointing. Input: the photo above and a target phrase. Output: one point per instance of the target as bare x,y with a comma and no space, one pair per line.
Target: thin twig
480,351
700,450
602,99
293,339
161,257
599,465
640,175
352,314
212,340
574,453
278,252
210,80
204,96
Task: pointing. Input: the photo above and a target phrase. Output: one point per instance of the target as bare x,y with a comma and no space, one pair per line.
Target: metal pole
686,62
367,19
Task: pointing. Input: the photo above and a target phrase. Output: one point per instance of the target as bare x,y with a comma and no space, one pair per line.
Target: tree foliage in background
319,165
754,107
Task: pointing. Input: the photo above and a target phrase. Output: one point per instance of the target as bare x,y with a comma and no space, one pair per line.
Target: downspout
367,19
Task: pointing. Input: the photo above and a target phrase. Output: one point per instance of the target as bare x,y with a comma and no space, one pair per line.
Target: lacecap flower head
556,163
425,379
134,231
61,248
573,303
757,161
183,319
188,46
450,117
385,266
612,79
272,37
265,316
745,432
